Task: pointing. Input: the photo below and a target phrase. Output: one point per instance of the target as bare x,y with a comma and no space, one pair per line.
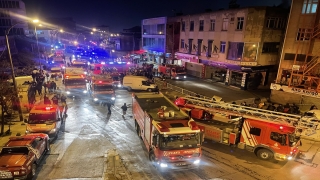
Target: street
89,132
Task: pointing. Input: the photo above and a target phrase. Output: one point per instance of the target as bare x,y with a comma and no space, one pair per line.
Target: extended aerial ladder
301,123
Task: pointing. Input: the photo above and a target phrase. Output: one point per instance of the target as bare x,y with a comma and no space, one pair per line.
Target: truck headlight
113,98
196,161
52,131
68,92
177,77
163,165
85,91
119,85
95,99
184,76
289,157
16,173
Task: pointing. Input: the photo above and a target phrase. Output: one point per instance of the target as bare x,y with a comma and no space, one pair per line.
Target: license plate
181,164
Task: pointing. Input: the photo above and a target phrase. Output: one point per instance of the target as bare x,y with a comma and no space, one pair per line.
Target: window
183,26
270,47
225,24
309,6
240,23
303,34
235,50
182,43
201,25
275,23
255,131
212,24
222,47
191,25
280,138
160,28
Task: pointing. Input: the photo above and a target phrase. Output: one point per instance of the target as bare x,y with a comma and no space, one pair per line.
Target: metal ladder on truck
300,122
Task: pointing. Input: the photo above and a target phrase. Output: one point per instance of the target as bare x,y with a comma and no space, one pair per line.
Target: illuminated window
309,6
182,43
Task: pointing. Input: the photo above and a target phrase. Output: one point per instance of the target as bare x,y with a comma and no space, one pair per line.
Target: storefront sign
243,63
232,62
243,80
295,67
304,92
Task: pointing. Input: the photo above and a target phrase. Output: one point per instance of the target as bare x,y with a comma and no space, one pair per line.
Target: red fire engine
268,134
171,137
172,71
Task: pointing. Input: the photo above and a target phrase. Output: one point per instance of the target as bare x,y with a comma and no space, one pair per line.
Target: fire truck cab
46,118
102,90
172,71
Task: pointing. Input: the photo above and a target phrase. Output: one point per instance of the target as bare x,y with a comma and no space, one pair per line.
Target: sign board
295,67
244,63
304,92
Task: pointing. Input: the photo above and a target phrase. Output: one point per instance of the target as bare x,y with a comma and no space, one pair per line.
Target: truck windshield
179,141
14,150
55,70
104,87
293,139
47,118
72,82
180,70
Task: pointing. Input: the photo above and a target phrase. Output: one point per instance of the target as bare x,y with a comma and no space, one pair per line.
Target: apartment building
235,46
298,78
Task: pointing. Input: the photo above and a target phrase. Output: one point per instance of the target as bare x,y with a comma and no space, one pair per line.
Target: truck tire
32,172
264,154
152,158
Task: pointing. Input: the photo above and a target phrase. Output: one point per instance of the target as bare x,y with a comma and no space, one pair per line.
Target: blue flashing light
103,63
119,62
110,62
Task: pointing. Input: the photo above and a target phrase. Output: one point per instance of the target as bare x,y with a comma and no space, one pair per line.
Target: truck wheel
264,154
152,158
32,172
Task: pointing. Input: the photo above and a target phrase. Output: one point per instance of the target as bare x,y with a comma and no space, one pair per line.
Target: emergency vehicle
56,71
75,81
20,156
172,71
102,90
95,68
79,62
172,139
268,134
46,118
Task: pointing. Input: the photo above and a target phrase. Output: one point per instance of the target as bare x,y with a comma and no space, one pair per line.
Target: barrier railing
165,85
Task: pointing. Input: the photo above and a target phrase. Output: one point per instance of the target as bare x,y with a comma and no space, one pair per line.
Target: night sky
121,14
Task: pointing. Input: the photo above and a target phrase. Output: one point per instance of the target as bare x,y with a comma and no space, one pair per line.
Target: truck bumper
179,165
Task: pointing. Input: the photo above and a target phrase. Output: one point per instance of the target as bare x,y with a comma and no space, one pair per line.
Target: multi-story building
299,68
10,15
236,45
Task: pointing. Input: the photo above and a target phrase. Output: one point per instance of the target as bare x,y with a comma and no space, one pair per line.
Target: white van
138,83
23,83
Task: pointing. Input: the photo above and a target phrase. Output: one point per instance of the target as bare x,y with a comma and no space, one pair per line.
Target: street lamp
12,73
35,31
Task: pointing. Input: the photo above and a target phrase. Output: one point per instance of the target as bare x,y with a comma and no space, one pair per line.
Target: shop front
155,56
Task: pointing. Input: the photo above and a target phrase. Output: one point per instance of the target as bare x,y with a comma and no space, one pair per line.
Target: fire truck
75,81
172,139
172,71
269,134
102,90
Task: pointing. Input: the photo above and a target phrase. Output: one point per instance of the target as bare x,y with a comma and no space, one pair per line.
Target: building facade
298,78
154,38
235,45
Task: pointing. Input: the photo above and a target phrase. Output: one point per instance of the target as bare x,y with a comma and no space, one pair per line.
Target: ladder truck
172,139
269,134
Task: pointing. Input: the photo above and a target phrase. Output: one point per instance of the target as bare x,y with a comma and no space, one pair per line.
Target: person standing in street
109,107
124,109
55,99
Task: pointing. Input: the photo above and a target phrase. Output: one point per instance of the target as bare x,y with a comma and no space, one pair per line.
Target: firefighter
109,107
124,109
